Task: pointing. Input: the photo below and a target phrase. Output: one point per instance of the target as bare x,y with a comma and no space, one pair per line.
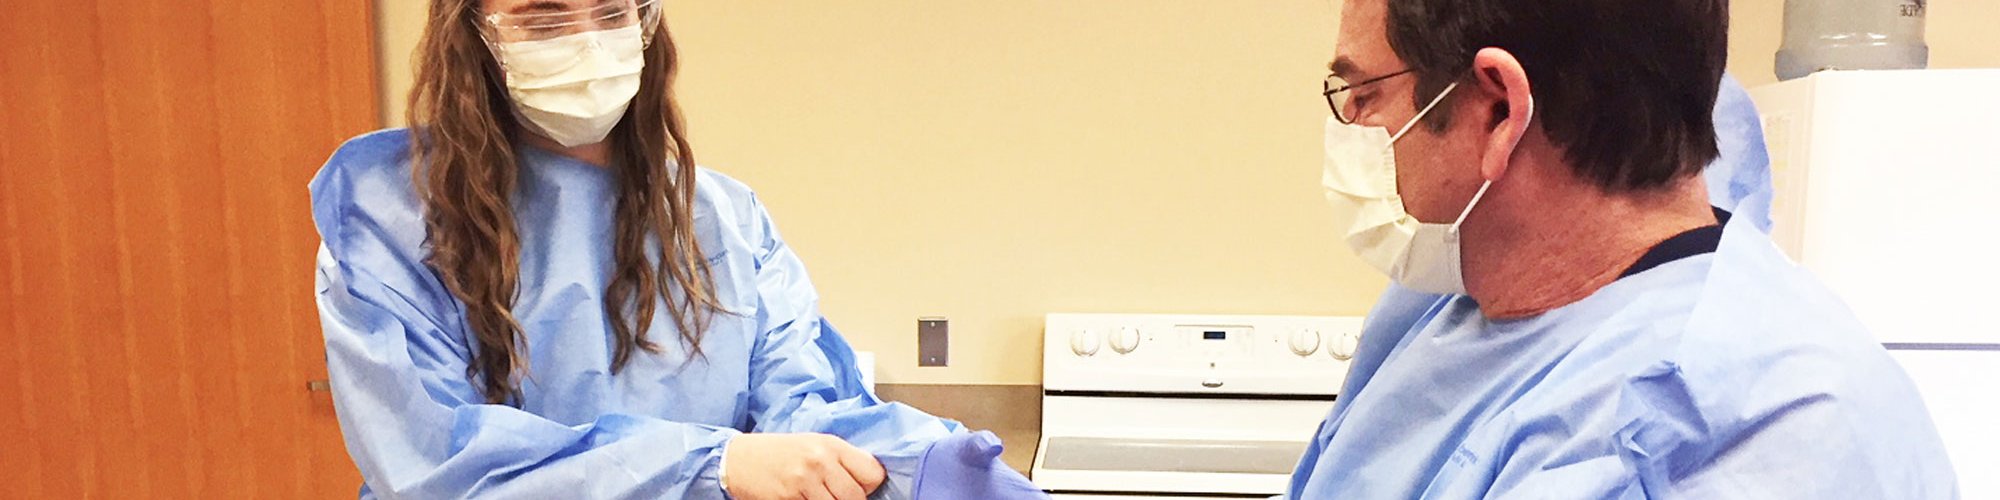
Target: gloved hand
967,465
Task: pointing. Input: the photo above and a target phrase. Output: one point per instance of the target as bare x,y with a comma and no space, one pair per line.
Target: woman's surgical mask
572,73
1360,180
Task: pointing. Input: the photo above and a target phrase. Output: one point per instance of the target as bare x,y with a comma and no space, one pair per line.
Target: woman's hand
798,466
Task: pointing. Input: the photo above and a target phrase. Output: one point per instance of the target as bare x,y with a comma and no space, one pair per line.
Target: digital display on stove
1215,335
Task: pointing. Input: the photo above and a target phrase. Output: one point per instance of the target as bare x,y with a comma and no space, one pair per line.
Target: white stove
1184,406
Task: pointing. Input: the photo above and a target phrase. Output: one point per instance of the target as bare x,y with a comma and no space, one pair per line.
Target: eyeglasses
1339,96
556,22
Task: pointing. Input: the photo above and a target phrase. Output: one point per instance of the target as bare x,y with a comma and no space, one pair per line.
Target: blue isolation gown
1733,374
397,349
1724,375
1742,171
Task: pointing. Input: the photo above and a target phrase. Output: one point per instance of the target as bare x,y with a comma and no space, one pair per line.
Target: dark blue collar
1689,243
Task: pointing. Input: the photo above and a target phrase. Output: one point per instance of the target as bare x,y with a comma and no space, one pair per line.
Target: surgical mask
574,88
1360,180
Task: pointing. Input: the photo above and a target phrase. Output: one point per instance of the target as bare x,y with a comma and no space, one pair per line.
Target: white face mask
1360,179
574,88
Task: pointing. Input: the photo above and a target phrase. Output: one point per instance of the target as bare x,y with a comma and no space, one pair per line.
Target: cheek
1431,174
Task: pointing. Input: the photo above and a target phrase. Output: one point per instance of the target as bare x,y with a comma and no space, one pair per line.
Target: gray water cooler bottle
1852,34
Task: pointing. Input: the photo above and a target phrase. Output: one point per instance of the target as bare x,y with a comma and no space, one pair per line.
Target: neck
596,153
1547,245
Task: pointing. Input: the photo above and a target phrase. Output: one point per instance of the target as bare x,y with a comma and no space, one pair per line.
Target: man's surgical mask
1360,181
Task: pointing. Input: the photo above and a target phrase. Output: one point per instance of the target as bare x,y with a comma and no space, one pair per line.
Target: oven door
1128,468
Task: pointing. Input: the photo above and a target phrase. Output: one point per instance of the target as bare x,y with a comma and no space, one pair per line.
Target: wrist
722,468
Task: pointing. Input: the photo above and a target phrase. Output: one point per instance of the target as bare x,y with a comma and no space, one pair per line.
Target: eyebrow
1345,68
540,7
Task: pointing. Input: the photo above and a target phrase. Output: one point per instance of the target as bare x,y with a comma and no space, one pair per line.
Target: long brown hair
466,171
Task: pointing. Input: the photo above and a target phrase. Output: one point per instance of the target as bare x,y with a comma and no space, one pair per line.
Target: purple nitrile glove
967,466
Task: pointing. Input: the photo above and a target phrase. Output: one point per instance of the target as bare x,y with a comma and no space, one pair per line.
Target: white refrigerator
1888,189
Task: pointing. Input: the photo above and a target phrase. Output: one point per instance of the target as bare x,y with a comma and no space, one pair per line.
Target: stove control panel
1197,354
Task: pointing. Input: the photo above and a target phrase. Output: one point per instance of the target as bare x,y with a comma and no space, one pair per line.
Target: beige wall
995,161
402,24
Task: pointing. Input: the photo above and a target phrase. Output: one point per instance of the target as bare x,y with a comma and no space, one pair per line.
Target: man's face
1436,171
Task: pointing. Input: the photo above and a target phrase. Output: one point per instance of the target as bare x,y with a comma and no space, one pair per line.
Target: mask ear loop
1469,205
649,14
1487,184
484,27
487,26
1420,113
1413,123
1389,149
1482,186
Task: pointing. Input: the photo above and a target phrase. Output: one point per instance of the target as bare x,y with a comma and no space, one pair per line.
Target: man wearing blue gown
1571,316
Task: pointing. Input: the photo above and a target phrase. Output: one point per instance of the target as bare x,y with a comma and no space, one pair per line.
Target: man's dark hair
1625,87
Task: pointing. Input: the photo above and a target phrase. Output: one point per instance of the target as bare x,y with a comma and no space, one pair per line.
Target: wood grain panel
156,244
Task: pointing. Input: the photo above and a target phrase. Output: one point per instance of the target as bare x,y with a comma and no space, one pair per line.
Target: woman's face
532,20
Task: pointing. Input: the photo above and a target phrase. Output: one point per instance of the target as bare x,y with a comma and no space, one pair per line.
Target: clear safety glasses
542,20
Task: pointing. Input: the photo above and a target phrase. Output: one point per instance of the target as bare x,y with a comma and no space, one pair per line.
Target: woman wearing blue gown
534,293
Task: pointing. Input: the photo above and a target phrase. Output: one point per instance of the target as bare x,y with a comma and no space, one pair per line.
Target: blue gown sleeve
796,385
1789,438
417,428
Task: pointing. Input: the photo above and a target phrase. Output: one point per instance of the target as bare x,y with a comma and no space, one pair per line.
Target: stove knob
1344,345
1084,342
1304,342
1125,340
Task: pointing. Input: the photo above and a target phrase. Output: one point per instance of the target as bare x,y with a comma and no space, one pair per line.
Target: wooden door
156,244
